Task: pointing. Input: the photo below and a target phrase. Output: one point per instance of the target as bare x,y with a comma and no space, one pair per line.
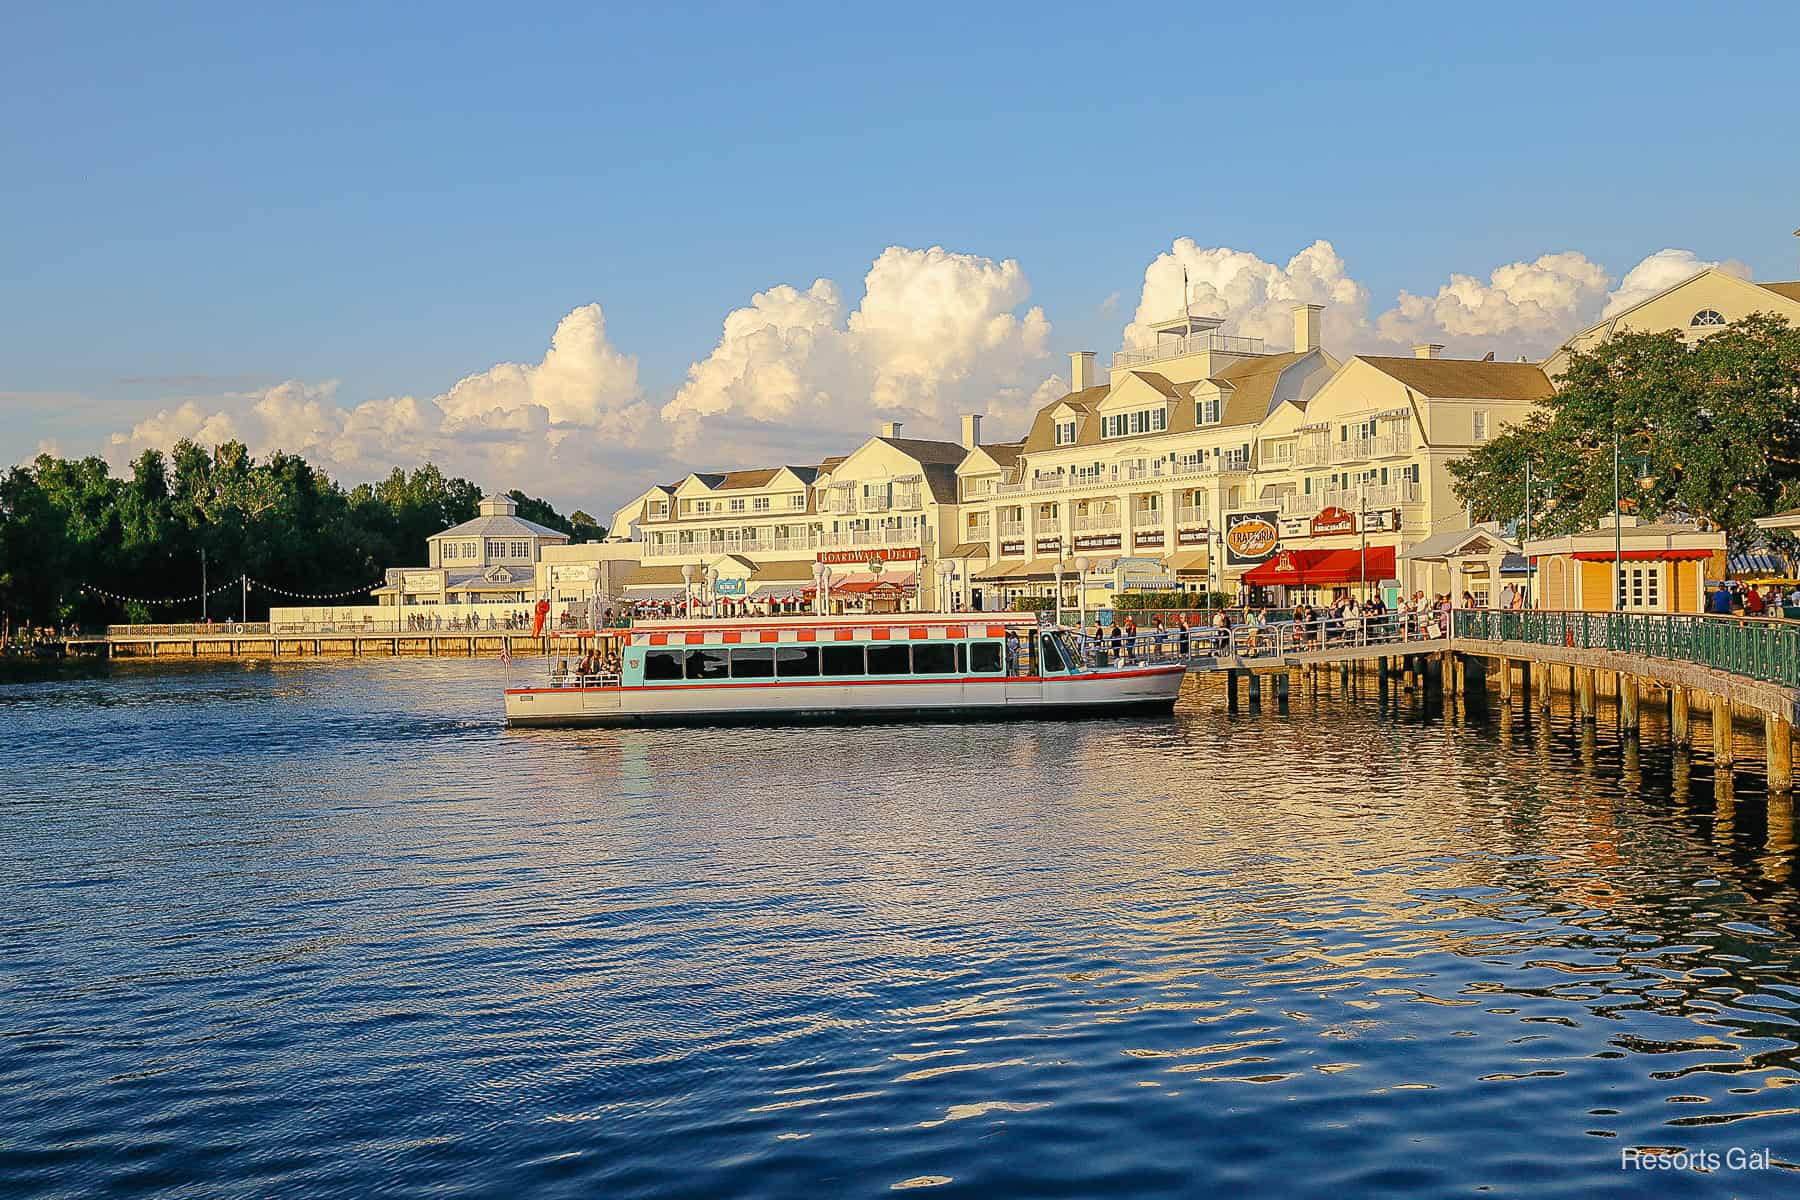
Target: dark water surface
329,930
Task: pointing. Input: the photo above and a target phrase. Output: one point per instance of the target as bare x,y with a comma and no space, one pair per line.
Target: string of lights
241,580
316,595
161,603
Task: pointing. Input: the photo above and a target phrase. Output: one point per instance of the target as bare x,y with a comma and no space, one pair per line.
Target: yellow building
1698,306
1365,462
878,517
1659,567
1138,464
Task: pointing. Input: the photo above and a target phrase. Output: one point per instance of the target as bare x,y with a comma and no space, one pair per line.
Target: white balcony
1012,529
1315,453
1191,514
1094,522
1147,518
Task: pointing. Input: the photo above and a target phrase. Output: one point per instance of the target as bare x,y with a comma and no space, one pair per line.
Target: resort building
1661,567
1141,463
490,560
1360,473
878,518
1696,307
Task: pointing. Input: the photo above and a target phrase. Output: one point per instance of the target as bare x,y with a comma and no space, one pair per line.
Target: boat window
984,658
889,658
1053,659
662,664
843,660
792,661
753,662
962,658
708,664
933,658
1071,650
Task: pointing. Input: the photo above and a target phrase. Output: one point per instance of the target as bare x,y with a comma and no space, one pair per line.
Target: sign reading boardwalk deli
885,554
1250,537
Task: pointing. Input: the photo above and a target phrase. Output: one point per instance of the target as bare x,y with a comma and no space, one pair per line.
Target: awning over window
1313,568
1645,555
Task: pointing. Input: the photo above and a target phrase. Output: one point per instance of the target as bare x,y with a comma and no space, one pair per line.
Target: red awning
1645,555
1291,568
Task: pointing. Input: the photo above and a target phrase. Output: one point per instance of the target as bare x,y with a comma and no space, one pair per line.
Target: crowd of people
598,664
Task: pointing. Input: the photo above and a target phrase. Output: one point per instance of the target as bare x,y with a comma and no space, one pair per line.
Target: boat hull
1101,693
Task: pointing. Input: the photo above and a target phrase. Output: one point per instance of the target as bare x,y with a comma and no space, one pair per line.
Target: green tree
1711,430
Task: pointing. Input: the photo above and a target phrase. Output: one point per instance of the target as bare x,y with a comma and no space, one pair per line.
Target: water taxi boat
785,669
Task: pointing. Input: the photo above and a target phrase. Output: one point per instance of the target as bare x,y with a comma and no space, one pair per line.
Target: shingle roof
1790,291
1004,453
502,526
928,451
1465,379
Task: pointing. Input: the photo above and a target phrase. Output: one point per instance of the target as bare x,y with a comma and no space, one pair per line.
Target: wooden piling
1778,745
1506,678
1628,704
1584,691
1680,733
1724,753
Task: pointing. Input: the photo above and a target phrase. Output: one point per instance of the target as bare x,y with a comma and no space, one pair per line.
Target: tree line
1707,430
71,526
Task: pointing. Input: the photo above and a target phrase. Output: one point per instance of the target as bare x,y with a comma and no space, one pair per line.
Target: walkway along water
1724,667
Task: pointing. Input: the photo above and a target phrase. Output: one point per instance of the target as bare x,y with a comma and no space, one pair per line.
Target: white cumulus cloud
1664,269
934,335
1528,307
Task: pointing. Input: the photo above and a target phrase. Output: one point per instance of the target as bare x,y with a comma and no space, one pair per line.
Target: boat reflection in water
778,670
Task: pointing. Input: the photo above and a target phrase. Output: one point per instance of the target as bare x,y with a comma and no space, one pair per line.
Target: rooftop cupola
498,506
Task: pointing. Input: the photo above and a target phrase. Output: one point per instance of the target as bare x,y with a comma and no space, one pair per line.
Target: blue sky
208,201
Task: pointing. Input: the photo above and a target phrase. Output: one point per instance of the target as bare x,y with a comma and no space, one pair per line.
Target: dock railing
1762,648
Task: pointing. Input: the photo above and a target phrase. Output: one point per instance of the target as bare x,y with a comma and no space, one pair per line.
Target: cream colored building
491,559
879,517
1137,464
1365,463
1698,306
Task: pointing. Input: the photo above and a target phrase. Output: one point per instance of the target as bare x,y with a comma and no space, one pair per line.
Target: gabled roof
928,451
1465,379
1788,291
1005,453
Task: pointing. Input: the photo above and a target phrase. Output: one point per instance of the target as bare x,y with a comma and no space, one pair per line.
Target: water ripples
327,929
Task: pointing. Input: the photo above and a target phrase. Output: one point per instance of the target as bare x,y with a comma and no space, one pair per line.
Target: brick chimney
1428,350
971,437
1082,375
1306,326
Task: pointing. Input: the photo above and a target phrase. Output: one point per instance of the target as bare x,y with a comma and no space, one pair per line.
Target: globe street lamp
687,590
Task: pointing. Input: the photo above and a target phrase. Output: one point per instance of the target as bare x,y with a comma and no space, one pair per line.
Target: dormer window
1208,412
1144,420
1707,316
1065,433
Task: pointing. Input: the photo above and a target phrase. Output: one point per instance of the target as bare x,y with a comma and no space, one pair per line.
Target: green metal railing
1755,647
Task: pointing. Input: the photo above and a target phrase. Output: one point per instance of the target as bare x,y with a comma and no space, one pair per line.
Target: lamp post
1618,533
687,590
1531,487
712,591
821,588
1059,592
1081,570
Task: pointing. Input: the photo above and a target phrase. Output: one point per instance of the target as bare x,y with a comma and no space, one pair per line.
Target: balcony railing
1363,449
1094,522
1191,514
1012,529
1313,454
1147,518
1196,343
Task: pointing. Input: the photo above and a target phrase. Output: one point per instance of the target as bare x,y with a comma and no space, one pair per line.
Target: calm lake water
330,930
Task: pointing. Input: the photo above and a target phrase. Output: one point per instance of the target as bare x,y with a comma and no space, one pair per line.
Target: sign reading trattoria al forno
1250,537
